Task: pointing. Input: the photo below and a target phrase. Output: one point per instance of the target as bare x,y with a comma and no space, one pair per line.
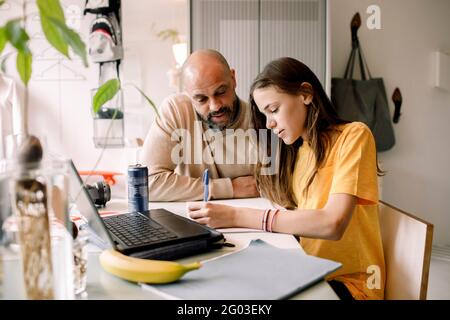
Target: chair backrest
407,243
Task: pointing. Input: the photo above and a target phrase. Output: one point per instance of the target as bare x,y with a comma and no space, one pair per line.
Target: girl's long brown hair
287,75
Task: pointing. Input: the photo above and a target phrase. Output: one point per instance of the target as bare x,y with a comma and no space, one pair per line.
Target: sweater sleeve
164,183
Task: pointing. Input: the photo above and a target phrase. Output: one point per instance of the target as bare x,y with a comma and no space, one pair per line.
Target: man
205,127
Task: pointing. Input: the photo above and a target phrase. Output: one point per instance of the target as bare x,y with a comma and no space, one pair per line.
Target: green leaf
73,39
2,2
77,45
105,93
3,65
54,36
150,102
24,60
17,35
3,39
3,60
52,9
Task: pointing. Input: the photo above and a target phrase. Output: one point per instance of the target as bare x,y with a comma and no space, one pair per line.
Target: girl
327,178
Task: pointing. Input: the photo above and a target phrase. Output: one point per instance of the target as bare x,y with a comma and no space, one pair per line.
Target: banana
143,270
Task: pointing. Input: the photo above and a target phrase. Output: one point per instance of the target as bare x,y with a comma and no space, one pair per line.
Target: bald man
205,127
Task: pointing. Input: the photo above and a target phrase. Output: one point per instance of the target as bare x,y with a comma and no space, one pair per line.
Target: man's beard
229,112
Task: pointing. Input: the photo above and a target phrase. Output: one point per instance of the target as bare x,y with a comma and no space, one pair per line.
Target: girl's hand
212,214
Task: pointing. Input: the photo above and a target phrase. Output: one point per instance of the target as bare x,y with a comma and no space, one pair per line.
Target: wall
418,178
60,89
417,181
250,34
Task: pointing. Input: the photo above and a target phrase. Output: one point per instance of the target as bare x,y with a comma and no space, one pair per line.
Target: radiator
441,252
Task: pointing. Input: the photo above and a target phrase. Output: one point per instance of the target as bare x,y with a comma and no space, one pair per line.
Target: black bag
363,100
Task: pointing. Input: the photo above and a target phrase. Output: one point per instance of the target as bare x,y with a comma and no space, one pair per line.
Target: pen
205,185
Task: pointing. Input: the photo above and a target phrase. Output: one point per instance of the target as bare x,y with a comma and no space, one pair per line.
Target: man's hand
244,187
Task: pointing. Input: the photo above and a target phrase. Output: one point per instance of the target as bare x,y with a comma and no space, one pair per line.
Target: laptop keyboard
134,229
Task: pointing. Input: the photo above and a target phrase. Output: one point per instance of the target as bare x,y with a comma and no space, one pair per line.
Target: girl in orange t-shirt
327,178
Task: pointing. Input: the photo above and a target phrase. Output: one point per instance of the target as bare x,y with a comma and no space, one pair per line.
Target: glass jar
80,260
109,127
37,235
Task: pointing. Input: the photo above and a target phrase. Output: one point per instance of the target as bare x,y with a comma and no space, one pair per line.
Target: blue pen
205,185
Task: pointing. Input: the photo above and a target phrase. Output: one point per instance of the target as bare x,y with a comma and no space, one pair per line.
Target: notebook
153,234
258,272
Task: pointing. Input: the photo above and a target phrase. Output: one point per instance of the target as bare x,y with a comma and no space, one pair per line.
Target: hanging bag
105,37
363,100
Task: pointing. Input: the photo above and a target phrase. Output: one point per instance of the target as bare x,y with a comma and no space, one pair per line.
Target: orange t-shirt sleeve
355,170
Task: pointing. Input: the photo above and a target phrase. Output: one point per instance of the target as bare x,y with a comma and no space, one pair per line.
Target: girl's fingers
202,220
194,206
196,214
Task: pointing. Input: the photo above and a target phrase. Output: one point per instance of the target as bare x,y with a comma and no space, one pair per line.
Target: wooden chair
407,242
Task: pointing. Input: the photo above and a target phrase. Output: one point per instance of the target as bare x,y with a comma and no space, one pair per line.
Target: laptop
153,234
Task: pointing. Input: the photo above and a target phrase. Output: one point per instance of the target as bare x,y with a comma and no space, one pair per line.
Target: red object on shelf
107,175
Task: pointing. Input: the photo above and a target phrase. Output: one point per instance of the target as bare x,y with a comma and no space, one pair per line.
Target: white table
102,285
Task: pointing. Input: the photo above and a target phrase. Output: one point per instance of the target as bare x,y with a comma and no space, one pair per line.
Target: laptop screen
81,203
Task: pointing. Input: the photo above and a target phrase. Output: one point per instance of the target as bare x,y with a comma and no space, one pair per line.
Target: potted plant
60,37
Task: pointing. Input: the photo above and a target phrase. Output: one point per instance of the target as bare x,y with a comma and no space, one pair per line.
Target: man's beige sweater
179,147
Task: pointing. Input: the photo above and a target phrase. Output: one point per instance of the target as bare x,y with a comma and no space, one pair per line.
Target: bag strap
363,63
350,64
117,62
356,50
354,26
357,53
